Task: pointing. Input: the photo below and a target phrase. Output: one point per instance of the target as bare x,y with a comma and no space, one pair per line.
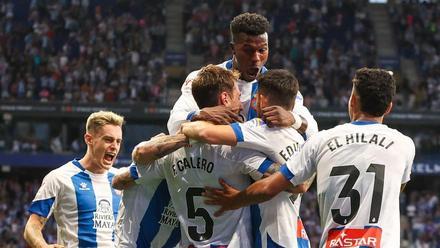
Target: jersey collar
78,164
362,123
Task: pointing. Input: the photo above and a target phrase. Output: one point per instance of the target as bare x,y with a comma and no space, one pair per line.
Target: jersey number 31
348,191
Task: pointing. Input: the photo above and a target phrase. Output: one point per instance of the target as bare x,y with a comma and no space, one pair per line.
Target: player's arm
210,133
148,151
33,232
402,187
294,189
229,198
125,179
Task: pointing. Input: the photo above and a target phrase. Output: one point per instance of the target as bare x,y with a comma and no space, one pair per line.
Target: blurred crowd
417,28
76,51
16,194
420,215
82,51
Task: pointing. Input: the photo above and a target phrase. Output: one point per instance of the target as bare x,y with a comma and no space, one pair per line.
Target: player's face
235,102
105,145
250,54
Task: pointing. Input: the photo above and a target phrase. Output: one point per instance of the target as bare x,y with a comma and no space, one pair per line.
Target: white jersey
360,168
185,106
187,171
282,227
146,217
84,205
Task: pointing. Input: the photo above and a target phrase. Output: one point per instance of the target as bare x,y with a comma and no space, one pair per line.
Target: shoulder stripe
42,207
286,172
265,165
238,132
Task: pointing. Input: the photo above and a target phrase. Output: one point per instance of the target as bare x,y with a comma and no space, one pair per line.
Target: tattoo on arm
33,231
148,151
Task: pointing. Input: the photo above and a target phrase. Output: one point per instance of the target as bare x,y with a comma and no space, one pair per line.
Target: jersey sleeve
302,165
146,173
312,125
46,198
184,107
409,161
249,134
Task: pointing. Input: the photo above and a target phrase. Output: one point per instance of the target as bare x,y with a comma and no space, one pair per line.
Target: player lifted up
250,50
361,168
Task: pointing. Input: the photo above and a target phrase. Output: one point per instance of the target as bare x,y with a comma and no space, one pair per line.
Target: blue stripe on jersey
133,172
190,115
252,113
271,243
149,226
41,207
237,130
229,64
86,205
361,123
286,172
115,200
78,164
265,165
302,243
174,238
256,222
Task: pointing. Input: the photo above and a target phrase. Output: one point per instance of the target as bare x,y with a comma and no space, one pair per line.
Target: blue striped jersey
83,204
146,217
187,171
283,227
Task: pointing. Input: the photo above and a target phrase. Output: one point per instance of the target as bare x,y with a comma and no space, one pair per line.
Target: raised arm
148,151
209,133
33,232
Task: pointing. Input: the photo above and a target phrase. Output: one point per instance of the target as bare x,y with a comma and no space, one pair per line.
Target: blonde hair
98,119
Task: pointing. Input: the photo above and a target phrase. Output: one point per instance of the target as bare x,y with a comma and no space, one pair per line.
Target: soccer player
361,168
146,216
79,193
279,224
188,170
250,49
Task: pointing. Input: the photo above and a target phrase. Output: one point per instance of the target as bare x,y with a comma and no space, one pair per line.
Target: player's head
250,45
277,87
215,86
103,138
372,94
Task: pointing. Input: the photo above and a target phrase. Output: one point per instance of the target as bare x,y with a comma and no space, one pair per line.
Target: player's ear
223,98
88,138
388,110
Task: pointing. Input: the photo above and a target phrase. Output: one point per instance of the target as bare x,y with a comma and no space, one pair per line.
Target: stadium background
62,59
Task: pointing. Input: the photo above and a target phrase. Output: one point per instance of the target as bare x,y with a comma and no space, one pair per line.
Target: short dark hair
375,88
280,86
210,82
248,23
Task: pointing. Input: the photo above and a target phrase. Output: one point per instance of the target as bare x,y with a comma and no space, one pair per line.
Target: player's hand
276,116
224,197
219,115
55,246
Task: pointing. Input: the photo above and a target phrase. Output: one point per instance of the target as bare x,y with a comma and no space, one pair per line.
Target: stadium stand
61,59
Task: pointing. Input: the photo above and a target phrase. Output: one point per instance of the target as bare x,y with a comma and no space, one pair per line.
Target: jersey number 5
348,191
199,212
